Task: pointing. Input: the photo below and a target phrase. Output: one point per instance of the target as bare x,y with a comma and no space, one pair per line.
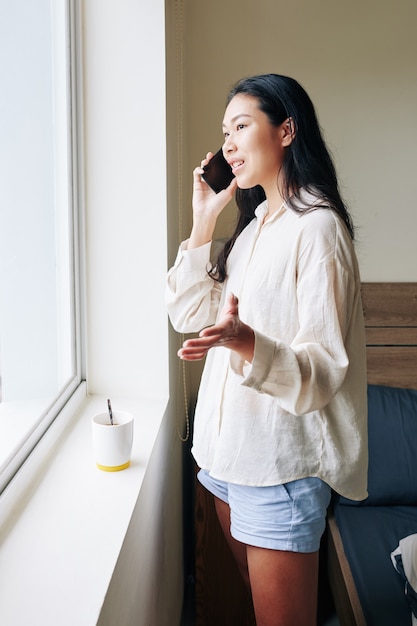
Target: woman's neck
275,201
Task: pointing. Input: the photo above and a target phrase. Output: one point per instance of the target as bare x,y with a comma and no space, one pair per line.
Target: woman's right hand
207,206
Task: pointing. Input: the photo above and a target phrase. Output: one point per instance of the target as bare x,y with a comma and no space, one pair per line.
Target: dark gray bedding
372,529
370,534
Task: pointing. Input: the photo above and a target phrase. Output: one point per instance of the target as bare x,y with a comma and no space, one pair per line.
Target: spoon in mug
110,412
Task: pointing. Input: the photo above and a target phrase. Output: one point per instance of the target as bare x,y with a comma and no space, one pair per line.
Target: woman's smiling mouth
235,164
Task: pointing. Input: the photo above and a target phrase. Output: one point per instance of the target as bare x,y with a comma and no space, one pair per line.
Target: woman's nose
228,145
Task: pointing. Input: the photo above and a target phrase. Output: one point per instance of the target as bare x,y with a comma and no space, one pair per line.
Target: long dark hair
307,163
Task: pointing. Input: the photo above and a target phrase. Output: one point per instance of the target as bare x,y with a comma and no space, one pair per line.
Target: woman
281,412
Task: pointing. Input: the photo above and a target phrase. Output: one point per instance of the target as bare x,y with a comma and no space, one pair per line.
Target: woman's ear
288,132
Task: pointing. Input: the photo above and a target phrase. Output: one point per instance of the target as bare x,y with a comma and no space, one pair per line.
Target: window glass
38,347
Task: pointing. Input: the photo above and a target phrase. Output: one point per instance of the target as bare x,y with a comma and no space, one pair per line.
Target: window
40,363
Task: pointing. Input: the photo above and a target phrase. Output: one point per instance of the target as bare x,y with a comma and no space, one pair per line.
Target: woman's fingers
194,349
203,342
208,158
199,171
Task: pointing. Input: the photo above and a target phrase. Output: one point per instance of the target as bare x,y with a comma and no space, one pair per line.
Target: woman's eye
238,127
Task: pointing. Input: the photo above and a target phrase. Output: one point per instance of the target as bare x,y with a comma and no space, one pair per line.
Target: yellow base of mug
113,468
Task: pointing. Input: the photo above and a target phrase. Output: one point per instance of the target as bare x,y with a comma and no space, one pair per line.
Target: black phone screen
218,173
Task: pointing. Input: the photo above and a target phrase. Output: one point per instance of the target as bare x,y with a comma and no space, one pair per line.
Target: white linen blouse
300,408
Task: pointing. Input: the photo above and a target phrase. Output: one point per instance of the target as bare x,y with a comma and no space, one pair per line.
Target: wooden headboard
390,311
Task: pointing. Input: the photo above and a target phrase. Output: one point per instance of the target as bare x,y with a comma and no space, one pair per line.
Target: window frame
73,80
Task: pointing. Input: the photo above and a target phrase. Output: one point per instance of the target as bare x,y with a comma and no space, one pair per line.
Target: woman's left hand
229,332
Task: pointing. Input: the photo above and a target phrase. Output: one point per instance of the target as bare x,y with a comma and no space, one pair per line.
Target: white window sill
60,542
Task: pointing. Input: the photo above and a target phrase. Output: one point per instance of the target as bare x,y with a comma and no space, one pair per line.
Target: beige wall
357,60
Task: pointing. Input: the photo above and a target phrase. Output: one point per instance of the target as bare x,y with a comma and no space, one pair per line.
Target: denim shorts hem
215,487
273,544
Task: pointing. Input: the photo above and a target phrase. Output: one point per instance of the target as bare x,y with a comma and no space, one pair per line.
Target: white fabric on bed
404,559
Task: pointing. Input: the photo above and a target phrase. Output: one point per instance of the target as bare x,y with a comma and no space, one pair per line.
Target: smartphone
218,173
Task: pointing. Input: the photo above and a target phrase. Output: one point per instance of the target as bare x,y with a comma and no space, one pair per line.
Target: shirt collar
262,209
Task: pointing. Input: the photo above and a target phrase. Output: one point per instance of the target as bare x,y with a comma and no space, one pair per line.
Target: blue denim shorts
289,517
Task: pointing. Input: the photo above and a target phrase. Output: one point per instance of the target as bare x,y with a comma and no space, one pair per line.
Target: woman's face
252,145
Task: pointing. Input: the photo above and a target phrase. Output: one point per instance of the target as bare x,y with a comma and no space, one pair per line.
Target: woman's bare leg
238,549
284,586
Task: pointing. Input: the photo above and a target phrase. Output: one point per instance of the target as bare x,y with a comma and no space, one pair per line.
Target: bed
366,588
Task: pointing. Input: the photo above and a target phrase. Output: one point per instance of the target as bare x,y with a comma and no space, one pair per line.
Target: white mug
112,444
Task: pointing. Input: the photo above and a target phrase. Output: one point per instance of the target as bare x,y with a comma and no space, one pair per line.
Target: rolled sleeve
192,296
